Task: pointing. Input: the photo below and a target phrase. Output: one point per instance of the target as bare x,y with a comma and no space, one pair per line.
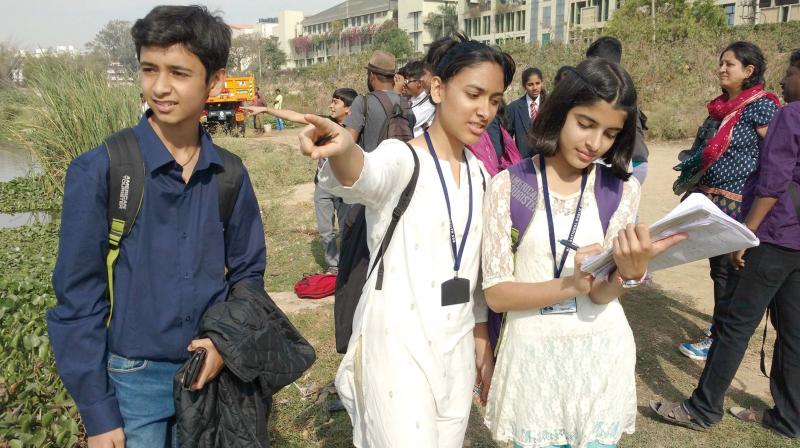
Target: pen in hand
569,244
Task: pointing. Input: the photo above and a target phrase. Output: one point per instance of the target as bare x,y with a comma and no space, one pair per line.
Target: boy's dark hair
794,58
449,55
346,95
606,47
383,78
203,34
414,69
402,71
593,80
562,71
278,90
748,53
528,72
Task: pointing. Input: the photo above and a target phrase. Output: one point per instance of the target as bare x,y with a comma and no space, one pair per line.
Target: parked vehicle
225,110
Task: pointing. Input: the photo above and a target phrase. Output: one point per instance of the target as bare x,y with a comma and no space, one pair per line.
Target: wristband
630,284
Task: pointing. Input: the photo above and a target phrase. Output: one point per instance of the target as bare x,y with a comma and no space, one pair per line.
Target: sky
48,23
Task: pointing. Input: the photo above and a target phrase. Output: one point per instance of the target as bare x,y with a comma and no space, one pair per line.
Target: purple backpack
524,194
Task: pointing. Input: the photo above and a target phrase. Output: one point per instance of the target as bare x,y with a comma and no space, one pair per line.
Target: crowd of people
478,216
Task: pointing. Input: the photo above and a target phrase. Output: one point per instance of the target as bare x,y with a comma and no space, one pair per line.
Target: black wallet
193,367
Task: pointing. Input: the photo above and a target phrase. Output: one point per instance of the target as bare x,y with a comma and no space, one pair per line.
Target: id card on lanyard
456,290
570,305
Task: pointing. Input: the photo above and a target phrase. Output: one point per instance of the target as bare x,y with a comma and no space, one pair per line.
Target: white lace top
566,378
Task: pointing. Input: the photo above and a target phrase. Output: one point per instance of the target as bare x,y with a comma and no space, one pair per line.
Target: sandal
747,415
676,414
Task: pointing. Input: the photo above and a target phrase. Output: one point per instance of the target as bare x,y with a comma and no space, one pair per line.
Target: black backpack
354,267
399,123
126,177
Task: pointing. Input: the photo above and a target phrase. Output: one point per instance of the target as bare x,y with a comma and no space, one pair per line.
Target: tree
392,39
442,23
272,56
674,21
115,44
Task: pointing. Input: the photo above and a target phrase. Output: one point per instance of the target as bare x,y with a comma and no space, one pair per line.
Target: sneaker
708,330
697,351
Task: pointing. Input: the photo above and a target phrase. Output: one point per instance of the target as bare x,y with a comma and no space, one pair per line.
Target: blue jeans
278,124
144,392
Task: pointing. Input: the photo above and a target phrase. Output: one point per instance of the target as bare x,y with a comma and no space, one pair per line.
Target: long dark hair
449,55
591,81
748,53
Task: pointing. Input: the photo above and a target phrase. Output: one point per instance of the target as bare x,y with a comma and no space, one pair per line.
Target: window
524,21
467,26
785,14
416,20
729,13
487,23
546,17
545,38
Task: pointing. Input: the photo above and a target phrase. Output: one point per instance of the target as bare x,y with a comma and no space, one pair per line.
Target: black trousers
770,278
719,273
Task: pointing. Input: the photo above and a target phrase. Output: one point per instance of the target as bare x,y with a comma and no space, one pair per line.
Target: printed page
710,233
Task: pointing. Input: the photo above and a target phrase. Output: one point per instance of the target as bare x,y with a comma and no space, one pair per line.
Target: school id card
568,306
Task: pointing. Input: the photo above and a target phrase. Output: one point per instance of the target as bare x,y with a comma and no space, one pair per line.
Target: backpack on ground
126,178
315,286
354,267
524,195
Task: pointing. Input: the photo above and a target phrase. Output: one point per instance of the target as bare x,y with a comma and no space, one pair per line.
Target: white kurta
408,374
565,379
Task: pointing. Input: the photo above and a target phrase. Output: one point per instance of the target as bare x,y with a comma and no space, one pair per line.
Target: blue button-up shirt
171,268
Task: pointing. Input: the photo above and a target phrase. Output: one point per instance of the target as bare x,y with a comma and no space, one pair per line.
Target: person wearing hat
366,123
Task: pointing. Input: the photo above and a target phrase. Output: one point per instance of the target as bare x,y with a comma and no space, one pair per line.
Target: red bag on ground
315,286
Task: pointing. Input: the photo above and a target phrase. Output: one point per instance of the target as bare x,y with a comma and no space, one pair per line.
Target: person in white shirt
419,96
416,350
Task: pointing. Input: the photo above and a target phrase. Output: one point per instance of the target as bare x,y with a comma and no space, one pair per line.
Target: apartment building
343,29
411,15
558,20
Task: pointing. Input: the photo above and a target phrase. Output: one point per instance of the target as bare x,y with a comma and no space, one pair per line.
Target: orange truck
225,109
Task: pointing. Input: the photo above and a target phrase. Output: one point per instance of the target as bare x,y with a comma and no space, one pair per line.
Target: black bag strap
795,198
763,345
229,182
126,174
399,209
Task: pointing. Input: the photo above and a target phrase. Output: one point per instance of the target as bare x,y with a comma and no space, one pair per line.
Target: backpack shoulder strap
229,181
608,194
399,209
524,195
126,175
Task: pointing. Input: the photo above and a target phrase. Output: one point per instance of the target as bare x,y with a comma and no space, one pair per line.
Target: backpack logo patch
123,192
523,193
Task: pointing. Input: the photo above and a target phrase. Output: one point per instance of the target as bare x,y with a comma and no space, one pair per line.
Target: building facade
343,29
542,21
289,27
411,15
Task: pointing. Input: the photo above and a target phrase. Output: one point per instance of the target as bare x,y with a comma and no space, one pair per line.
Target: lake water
16,161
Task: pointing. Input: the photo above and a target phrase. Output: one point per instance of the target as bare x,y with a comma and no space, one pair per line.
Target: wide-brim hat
382,63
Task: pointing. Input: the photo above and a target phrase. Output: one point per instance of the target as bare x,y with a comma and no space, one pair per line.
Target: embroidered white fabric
567,378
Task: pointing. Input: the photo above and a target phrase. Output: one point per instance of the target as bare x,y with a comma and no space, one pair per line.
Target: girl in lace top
565,368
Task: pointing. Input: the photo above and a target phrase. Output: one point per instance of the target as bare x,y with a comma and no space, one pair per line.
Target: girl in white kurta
567,379
408,374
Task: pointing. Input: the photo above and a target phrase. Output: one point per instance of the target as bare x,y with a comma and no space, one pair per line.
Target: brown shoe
747,415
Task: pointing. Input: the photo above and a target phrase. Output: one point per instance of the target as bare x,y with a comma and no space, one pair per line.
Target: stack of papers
710,233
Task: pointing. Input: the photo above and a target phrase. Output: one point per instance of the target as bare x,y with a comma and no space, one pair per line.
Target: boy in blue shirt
177,261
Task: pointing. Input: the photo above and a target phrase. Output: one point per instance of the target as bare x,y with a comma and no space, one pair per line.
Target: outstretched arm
285,114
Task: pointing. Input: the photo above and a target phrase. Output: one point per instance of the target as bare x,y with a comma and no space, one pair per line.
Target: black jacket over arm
263,352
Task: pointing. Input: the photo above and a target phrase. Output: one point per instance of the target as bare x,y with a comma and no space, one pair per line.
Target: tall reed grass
71,109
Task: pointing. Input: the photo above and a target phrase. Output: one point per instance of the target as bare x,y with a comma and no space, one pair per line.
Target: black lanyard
457,253
546,192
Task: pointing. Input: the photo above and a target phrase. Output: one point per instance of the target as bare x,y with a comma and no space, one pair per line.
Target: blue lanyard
457,253
550,227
